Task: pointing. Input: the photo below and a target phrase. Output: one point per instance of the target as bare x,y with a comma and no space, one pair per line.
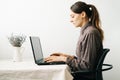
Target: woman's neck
85,22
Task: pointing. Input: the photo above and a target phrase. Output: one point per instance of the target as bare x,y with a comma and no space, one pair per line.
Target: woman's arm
90,47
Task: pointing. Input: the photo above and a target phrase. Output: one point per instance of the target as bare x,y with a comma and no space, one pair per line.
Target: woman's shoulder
91,29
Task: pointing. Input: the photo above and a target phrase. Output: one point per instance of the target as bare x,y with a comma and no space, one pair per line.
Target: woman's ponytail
95,19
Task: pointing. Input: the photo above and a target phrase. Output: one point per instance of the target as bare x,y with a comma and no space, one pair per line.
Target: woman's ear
83,14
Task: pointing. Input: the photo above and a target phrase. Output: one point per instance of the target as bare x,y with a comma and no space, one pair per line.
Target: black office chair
95,74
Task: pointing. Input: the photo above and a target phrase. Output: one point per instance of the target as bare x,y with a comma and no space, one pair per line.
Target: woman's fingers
50,58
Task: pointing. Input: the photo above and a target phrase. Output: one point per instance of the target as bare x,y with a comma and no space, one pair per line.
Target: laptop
38,54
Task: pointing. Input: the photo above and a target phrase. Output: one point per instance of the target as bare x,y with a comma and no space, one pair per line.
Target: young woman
89,45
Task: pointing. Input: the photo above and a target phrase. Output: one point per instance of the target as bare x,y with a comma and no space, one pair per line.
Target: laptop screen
36,48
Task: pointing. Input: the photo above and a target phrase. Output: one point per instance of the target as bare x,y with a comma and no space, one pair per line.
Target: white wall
49,19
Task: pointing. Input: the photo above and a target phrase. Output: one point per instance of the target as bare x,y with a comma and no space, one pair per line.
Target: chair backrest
97,73
101,59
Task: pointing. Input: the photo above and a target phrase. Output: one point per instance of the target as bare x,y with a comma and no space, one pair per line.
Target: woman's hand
54,58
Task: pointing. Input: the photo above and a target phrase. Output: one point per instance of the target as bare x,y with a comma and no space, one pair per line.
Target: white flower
17,39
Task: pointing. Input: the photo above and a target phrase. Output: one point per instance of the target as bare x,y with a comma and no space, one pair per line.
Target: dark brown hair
91,13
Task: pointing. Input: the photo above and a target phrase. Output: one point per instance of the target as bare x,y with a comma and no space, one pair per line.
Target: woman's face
76,19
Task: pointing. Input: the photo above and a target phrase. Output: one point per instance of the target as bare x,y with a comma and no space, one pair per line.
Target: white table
30,71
